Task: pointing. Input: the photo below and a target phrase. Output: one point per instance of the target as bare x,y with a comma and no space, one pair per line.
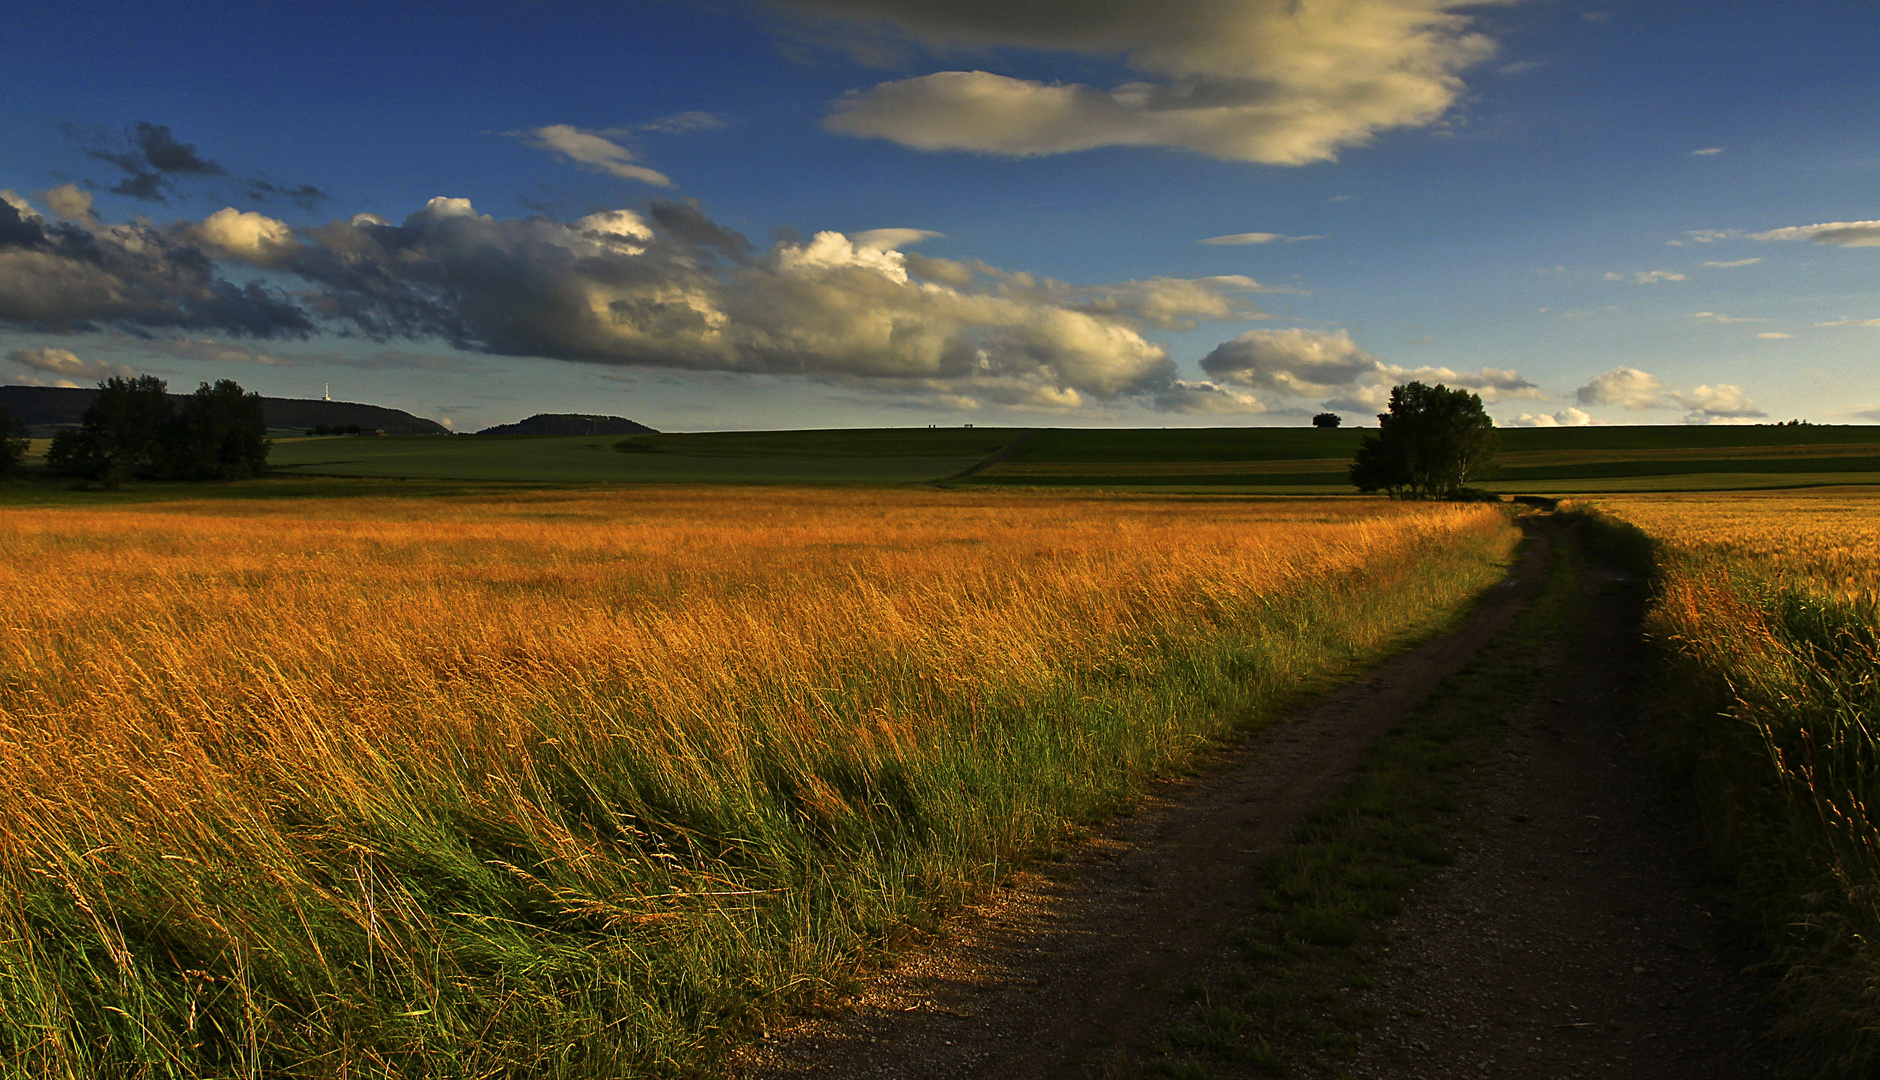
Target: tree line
133,430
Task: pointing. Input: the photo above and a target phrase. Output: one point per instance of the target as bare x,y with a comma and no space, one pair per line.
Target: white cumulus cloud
1637,390
1272,81
1709,404
1568,417
1628,388
245,235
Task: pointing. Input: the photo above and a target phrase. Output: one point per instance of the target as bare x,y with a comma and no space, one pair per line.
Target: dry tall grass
585,784
1769,608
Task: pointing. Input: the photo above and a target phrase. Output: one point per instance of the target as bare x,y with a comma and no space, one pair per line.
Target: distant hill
44,409
570,424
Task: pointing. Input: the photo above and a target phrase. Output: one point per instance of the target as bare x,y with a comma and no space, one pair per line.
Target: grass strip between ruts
1288,1006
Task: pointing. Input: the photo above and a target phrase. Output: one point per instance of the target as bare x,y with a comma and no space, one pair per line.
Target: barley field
1768,613
588,784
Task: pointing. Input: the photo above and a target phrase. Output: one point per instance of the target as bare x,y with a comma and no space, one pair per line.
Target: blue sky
860,212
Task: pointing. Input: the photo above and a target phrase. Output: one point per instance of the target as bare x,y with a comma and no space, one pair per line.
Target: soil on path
1581,919
1584,932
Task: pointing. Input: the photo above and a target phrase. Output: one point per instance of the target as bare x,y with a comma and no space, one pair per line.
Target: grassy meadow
1273,461
1307,461
874,456
590,783
1768,612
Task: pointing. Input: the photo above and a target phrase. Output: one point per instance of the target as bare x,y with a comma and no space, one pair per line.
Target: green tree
1327,420
119,435
1433,442
12,445
220,434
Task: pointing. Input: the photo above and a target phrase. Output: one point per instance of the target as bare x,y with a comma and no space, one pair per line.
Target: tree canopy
1327,420
12,446
1433,442
220,434
130,429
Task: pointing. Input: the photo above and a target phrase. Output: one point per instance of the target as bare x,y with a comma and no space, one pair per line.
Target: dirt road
1584,933
1573,933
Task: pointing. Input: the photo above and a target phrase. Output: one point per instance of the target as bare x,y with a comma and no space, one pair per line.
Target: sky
839,213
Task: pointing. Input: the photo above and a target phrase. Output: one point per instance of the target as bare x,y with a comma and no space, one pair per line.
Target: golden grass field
586,783
1827,538
1768,612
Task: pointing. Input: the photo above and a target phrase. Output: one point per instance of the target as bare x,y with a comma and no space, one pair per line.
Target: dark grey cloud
150,157
261,188
64,277
1309,363
152,160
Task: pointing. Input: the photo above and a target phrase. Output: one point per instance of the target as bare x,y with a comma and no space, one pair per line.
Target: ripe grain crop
1767,610
589,784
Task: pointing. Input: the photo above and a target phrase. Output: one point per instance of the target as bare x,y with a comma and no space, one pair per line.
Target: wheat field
589,783
1827,541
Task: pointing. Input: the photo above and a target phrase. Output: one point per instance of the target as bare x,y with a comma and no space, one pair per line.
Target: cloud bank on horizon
673,289
668,289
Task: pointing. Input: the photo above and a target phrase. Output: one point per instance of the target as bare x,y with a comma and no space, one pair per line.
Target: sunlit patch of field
1768,612
1827,541
587,784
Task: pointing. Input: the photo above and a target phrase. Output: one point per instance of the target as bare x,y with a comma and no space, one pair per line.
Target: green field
1303,461
1270,461
843,456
